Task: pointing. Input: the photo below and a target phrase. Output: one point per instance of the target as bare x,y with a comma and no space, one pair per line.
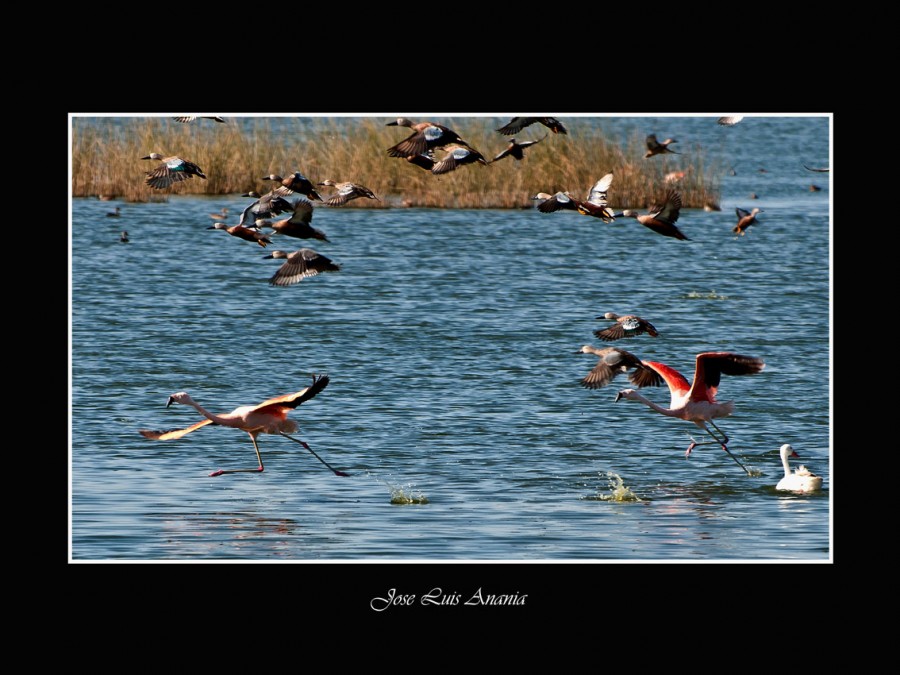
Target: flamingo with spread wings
696,401
268,417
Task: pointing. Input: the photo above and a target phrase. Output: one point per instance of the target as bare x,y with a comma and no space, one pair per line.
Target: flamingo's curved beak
794,453
618,396
170,401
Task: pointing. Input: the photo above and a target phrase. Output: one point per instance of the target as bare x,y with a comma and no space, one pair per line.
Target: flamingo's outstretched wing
678,385
172,434
295,399
711,365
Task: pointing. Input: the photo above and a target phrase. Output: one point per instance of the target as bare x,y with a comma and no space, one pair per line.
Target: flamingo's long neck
658,408
212,417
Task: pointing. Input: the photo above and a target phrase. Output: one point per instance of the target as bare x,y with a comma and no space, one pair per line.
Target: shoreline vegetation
106,162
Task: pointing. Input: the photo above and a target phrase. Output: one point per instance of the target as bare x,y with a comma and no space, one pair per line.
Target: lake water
450,338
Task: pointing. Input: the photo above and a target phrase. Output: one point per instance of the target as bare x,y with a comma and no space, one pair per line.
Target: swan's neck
787,465
658,408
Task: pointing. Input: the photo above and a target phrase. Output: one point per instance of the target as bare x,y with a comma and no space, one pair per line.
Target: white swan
802,480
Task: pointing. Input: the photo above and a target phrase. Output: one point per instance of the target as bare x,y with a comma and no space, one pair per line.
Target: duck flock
293,197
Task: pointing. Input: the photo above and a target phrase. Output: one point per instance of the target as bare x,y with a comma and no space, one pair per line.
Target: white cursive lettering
381,604
479,599
436,597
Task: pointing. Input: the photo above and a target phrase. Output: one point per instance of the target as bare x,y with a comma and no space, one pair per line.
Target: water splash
619,492
401,495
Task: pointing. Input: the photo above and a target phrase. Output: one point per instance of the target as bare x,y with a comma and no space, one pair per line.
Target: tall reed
234,156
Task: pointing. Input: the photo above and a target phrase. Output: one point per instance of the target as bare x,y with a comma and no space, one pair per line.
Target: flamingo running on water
268,417
696,402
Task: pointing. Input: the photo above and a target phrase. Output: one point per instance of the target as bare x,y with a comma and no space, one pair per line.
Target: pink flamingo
268,417
696,402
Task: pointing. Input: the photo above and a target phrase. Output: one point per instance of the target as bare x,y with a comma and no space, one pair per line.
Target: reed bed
234,156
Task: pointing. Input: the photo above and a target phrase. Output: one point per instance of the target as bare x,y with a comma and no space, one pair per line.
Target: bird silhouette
516,149
516,124
191,118
655,147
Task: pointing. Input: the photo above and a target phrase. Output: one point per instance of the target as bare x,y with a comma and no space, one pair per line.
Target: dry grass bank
106,160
